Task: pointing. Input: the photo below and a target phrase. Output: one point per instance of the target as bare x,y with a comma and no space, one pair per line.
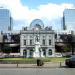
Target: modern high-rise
69,19
5,20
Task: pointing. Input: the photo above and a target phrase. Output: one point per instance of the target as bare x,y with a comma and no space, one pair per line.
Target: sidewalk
46,65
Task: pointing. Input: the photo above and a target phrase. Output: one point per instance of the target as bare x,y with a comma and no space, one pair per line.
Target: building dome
37,23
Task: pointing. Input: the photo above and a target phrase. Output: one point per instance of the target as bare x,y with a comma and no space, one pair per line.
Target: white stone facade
28,39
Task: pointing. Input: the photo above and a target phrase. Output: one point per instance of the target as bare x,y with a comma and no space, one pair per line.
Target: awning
13,45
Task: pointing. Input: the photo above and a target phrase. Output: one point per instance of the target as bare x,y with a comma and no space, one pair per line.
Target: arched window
31,53
44,52
25,53
50,52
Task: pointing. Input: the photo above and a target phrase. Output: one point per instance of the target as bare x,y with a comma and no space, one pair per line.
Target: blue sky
50,12
35,3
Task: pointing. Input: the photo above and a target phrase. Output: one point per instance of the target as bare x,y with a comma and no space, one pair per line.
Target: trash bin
39,62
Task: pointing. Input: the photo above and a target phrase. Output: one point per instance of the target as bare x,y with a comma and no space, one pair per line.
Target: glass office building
5,20
69,19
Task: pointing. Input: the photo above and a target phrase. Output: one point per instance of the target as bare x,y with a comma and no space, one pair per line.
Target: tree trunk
72,49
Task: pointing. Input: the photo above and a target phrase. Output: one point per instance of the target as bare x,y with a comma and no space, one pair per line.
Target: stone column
53,52
21,52
47,52
28,53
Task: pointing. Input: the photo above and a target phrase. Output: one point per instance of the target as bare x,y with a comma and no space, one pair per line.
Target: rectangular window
43,41
30,42
24,42
49,42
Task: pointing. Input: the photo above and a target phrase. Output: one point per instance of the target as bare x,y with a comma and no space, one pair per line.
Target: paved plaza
46,65
37,71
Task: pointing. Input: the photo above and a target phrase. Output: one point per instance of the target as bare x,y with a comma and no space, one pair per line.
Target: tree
7,49
71,42
66,49
68,39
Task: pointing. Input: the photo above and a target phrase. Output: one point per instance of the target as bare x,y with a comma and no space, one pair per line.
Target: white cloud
49,13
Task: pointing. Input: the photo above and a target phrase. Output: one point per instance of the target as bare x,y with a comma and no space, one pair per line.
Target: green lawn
58,59
16,59
51,59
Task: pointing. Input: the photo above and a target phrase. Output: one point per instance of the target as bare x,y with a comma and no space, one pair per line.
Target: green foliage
6,49
33,60
66,49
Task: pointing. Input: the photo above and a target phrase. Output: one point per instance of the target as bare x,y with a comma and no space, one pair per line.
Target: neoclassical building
37,40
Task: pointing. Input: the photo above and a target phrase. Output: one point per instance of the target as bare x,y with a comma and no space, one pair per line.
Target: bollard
60,64
17,64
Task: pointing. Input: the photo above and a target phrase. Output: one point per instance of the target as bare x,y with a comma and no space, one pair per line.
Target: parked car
70,62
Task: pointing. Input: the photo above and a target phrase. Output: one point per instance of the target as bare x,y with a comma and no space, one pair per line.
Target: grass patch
54,59
51,59
33,60
16,59
58,59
